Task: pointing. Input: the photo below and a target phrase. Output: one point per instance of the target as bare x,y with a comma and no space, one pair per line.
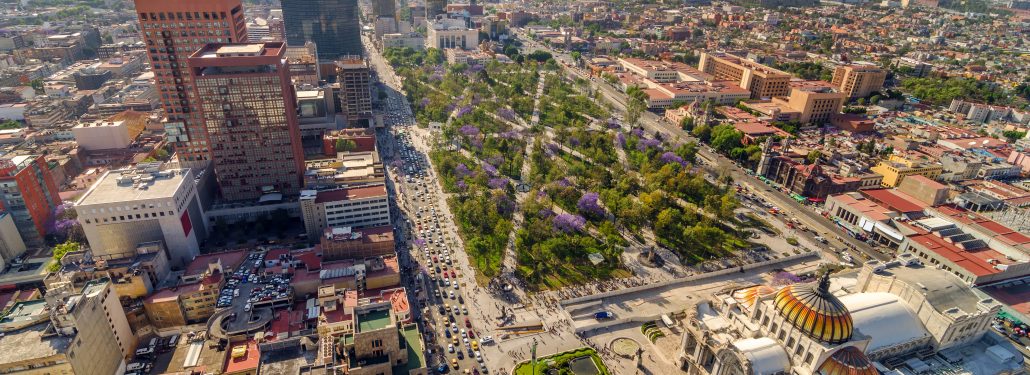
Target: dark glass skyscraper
331,24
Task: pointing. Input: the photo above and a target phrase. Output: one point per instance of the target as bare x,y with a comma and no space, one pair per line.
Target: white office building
127,207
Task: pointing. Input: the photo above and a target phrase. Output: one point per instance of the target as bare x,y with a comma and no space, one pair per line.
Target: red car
454,275
468,324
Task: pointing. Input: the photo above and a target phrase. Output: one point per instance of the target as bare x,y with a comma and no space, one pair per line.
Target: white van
173,341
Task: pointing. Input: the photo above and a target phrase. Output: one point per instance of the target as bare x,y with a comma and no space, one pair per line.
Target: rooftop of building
369,235
895,200
24,312
32,343
144,182
990,227
173,293
242,357
349,194
977,262
416,356
868,208
372,320
942,290
228,259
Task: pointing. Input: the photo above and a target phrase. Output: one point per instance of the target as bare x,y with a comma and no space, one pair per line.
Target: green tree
1013,135
59,251
813,156
345,145
10,124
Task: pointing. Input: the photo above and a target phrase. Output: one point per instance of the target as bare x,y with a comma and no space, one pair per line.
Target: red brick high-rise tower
248,107
173,30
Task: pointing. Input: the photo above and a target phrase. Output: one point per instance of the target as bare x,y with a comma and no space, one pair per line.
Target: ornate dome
847,361
812,309
748,296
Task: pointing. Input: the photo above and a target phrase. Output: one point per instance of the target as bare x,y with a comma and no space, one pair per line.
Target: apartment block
353,90
859,81
103,340
28,192
762,81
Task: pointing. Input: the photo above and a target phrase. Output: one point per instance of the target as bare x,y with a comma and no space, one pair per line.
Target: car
454,363
452,294
461,355
450,348
447,333
487,339
479,356
475,345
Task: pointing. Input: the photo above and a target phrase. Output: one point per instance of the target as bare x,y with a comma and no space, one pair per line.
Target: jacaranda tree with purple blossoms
568,223
589,206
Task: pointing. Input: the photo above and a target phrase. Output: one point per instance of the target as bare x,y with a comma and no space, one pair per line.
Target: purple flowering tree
489,169
670,157
785,278
495,160
637,132
420,242
645,144
613,123
505,206
620,140
511,134
461,185
424,103
477,144
497,183
506,113
545,213
573,141
461,170
464,110
567,223
590,206
469,130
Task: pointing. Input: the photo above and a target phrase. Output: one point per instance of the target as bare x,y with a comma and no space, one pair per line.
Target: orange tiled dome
748,296
812,309
847,361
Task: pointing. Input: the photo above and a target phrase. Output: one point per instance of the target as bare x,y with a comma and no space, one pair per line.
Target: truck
603,315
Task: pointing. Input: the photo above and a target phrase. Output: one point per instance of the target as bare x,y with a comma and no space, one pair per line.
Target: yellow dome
748,296
812,309
847,361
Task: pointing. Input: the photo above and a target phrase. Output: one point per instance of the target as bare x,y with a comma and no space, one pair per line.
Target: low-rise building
361,207
183,304
345,243
371,335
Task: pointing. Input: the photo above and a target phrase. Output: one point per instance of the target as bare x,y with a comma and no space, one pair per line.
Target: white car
450,348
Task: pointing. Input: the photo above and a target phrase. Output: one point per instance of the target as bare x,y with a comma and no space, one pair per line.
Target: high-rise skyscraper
384,8
249,108
331,24
434,7
354,90
174,30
